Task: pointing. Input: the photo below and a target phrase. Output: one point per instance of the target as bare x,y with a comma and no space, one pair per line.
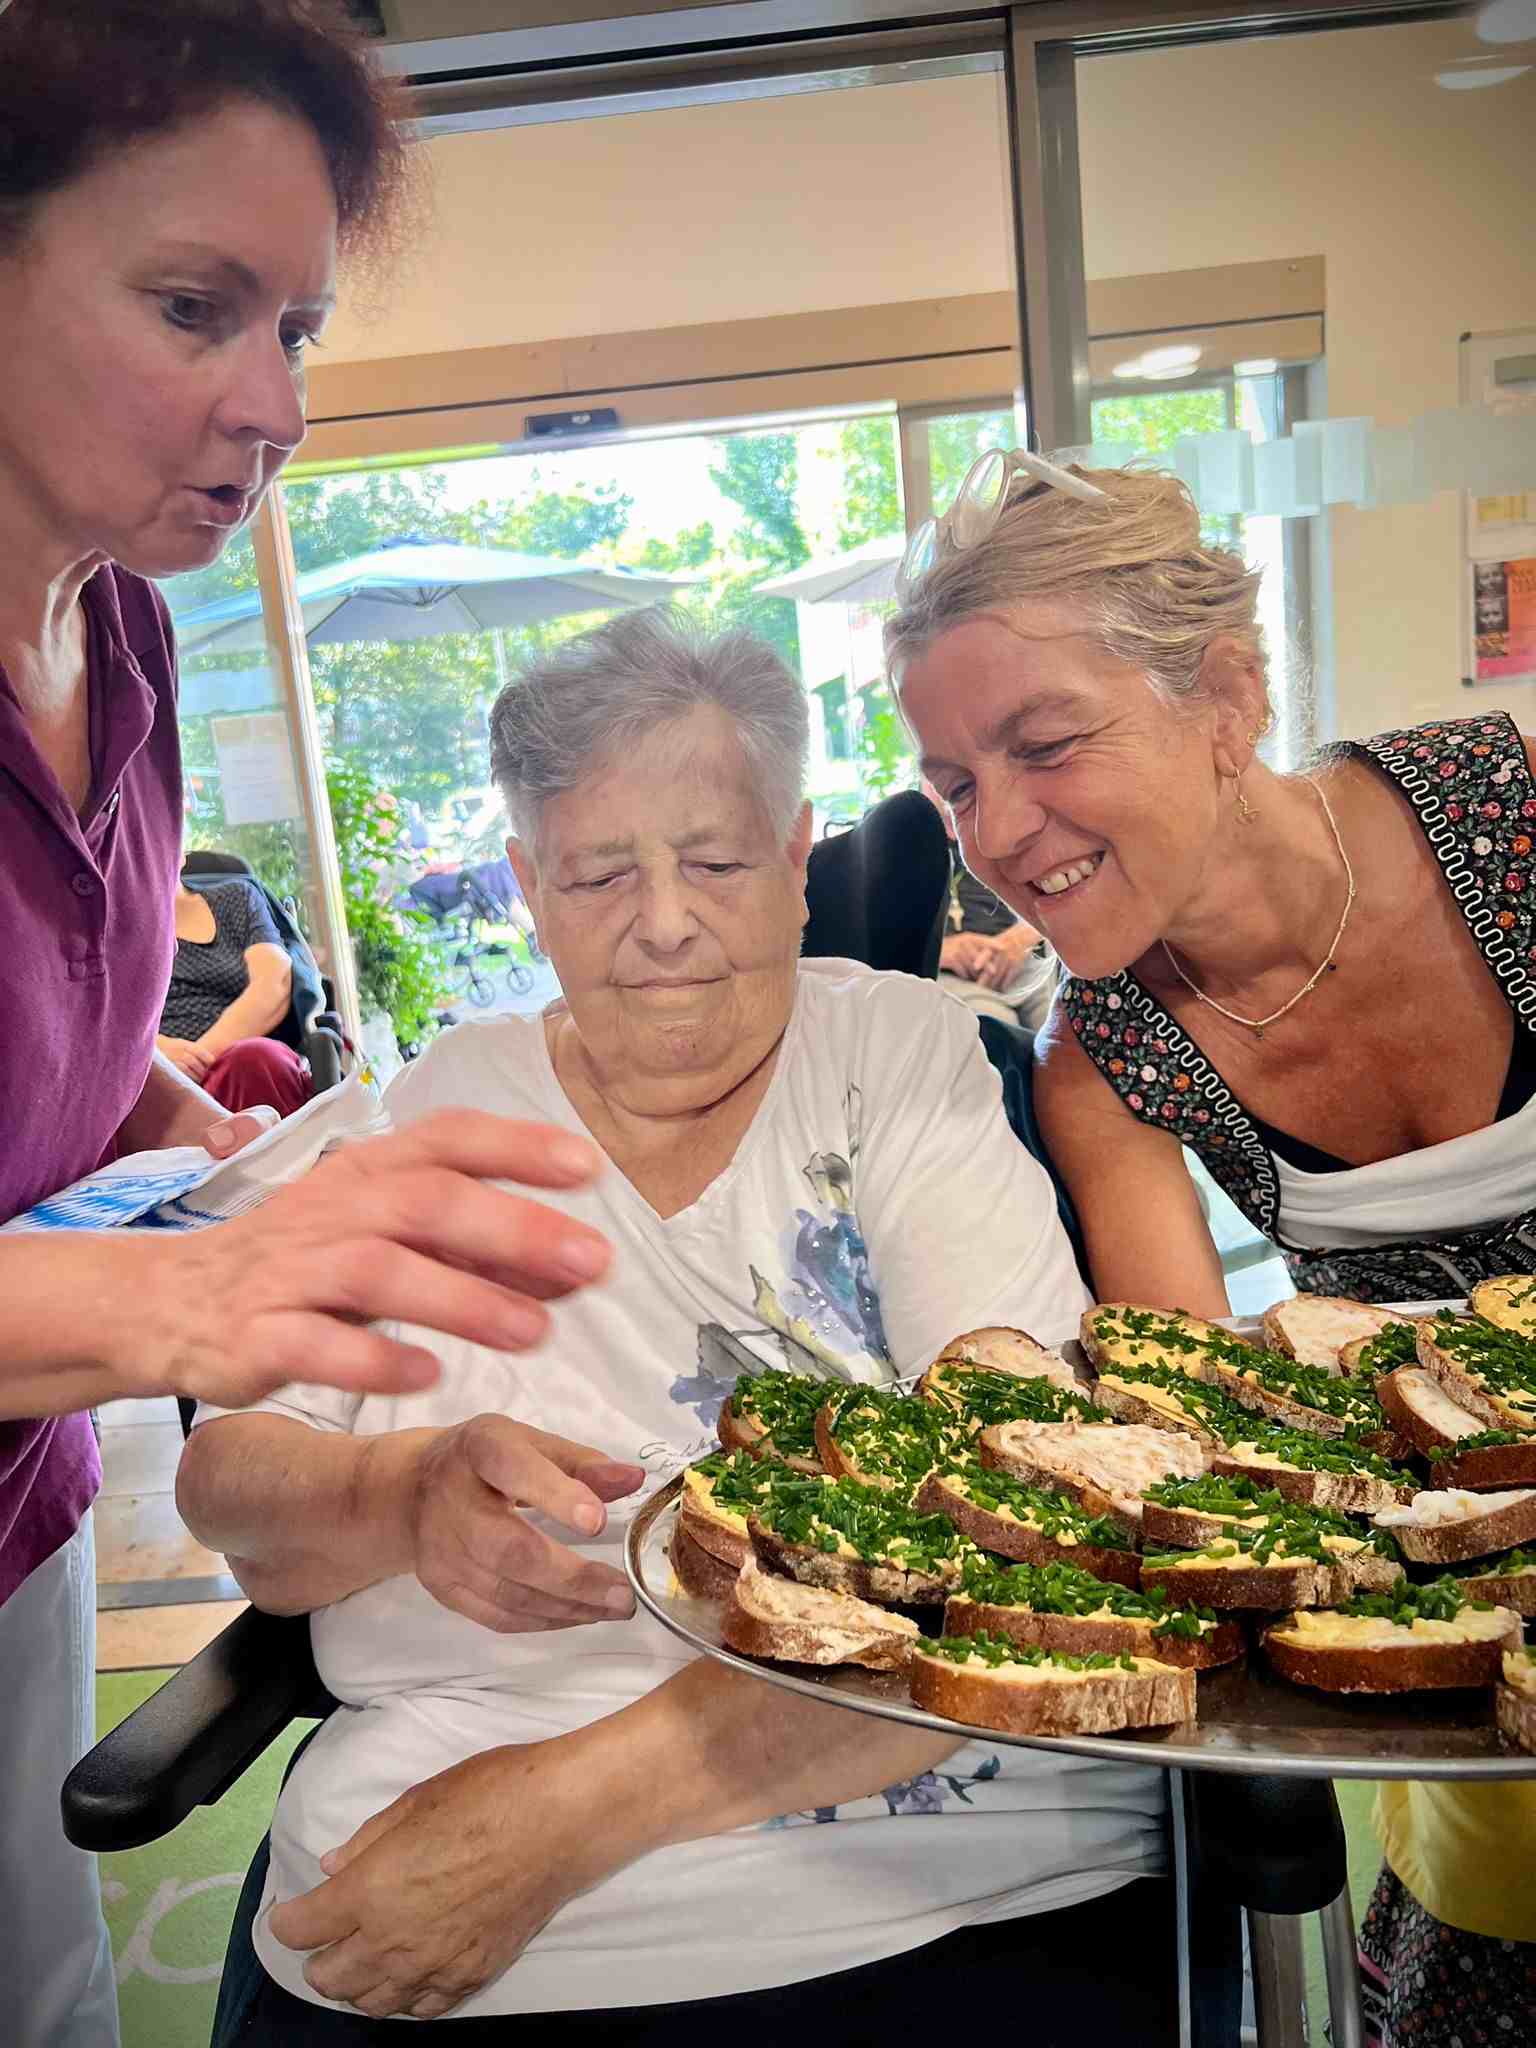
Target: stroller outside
462,904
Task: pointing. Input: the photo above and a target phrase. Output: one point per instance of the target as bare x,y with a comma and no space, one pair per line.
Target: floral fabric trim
1473,793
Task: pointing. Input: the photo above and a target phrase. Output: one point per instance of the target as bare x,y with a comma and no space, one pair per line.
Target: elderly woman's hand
396,1229
477,1555
444,1890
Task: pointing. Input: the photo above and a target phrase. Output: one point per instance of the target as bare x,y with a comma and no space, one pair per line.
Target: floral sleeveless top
1472,791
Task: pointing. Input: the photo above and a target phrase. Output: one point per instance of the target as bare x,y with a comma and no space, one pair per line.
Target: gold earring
1245,810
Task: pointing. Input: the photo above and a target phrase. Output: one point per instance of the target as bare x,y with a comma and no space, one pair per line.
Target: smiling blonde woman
1323,984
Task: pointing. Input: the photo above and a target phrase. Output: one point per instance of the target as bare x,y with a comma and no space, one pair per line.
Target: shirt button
83,884
77,948
110,808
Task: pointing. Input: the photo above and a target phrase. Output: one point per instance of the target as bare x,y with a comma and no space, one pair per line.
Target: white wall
1419,199
801,204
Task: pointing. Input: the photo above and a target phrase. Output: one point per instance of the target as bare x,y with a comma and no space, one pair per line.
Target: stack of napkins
184,1188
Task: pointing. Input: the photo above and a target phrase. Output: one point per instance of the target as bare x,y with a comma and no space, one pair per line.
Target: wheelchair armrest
189,1742
324,1048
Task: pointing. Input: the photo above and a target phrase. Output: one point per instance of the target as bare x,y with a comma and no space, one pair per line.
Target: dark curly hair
81,77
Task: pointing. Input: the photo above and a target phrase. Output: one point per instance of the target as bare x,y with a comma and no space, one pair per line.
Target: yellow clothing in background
1466,1852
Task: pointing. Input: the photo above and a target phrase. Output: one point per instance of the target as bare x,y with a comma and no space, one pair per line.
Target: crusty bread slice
1008,1535
841,1571
1350,1493
1458,1374
699,1571
1315,1327
1053,1699
1156,1407
1335,1656
1421,1410
1427,1540
1103,1466
713,1528
787,1623
746,1433
1165,1528
998,1350
1135,1334
838,1462
1488,1468
1508,1301
1081,1634
1514,1703
1515,1713
1359,1571
1239,1587
1506,1581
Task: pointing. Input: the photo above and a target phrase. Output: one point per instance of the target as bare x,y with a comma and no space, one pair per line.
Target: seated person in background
594,1830
990,958
231,982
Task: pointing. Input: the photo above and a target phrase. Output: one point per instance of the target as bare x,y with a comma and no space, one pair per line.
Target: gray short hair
609,689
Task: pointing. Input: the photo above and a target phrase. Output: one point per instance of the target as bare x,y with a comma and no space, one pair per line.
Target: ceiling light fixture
1156,364
1475,81
1259,366
1506,21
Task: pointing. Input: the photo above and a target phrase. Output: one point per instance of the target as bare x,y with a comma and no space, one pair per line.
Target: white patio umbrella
866,575
421,589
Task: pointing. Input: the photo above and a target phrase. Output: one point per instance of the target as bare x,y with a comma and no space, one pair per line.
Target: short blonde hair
1132,561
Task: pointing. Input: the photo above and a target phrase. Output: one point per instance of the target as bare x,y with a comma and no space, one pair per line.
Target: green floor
169,1906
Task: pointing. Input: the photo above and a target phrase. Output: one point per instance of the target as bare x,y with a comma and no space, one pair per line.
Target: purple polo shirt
87,936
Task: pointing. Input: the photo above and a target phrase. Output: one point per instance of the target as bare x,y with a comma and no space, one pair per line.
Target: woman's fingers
390,1283
310,1346
472,1141
449,1215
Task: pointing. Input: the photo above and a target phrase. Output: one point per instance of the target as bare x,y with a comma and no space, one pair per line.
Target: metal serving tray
1250,1722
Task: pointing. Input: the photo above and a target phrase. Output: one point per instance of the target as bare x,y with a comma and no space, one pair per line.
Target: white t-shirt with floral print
877,1206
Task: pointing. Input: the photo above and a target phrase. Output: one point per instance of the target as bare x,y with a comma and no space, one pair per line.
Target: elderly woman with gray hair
593,1831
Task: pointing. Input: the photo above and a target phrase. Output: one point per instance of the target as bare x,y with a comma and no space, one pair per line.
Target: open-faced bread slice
1316,1471
1192,1514
1104,1466
989,1682
1163,1397
1368,1358
772,1414
1421,1410
1314,1328
722,1531
1123,1338
1058,1607
1508,1580
998,1350
884,1439
1229,1577
856,1539
1489,1370
1508,1302
1514,1703
1031,1524
1129,1333
976,1396
1448,1525
1422,1638
698,1571
1489,1462
779,1619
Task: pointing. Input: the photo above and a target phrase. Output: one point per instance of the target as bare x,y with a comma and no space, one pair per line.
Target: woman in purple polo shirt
176,177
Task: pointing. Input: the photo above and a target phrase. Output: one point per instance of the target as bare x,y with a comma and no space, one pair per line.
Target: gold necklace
1258,1025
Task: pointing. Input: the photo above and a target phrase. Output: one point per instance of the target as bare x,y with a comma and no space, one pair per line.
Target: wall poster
1499,550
